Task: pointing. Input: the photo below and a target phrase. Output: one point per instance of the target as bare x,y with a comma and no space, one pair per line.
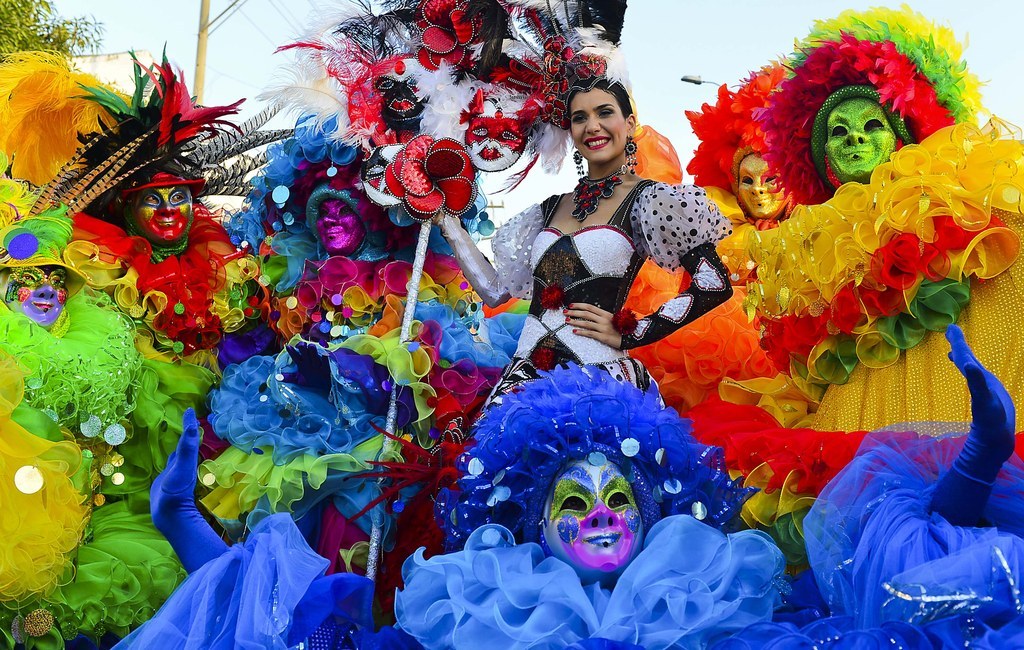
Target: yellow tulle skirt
923,384
43,511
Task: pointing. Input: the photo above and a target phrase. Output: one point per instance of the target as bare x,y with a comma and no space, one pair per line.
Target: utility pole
204,28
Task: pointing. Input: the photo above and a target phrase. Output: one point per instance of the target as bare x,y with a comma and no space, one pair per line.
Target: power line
281,13
295,18
234,7
259,29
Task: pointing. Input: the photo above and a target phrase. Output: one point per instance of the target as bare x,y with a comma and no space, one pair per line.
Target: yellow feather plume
16,198
42,112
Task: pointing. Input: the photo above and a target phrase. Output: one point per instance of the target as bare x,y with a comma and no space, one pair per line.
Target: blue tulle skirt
256,596
880,555
691,584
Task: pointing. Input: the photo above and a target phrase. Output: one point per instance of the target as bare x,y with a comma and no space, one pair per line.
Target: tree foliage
36,25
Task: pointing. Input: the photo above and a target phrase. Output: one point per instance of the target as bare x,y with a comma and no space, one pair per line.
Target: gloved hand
963,491
312,366
173,505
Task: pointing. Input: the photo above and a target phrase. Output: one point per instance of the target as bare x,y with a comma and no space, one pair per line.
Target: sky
663,40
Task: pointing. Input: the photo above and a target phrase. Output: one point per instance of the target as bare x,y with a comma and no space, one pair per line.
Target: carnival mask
402,107
495,140
163,215
372,175
593,522
38,292
338,225
859,139
757,189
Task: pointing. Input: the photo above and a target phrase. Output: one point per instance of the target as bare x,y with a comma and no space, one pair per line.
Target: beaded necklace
590,191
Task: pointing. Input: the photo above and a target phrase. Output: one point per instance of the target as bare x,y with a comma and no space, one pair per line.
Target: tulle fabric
92,370
246,598
121,575
165,390
38,531
690,584
841,633
880,555
856,292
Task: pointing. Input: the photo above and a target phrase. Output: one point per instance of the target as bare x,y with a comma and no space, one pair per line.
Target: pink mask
593,522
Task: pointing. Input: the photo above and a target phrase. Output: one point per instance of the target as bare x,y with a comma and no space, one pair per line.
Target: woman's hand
593,323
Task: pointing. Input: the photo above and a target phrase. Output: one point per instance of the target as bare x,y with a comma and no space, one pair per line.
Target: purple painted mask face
339,228
593,522
38,292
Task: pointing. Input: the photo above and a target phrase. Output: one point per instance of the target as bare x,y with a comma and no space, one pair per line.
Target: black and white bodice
597,265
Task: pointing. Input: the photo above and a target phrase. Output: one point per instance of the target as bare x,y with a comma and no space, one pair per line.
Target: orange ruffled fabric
690,363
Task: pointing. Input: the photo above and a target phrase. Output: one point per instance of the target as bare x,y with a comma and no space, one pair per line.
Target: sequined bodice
594,265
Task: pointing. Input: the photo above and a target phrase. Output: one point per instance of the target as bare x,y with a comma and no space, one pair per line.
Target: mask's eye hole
838,131
873,125
575,504
617,500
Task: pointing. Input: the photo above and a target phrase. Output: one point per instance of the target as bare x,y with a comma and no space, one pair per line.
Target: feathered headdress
337,61
729,129
911,66
43,110
157,130
32,236
573,414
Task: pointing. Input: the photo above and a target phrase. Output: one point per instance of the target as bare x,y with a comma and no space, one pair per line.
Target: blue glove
964,490
173,505
312,366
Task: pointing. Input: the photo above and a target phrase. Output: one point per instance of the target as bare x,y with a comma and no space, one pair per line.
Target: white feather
444,102
552,145
304,90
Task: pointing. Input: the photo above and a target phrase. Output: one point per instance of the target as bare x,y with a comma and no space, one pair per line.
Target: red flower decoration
624,321
552,296
431,176
447,35
846,311
543,358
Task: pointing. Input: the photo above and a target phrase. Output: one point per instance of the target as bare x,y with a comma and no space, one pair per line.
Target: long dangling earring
631,154
578,159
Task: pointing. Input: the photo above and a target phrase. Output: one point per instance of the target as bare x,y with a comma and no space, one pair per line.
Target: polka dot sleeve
671,220
512,246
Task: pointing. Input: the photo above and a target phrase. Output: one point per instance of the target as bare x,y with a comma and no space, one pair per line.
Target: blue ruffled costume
689,585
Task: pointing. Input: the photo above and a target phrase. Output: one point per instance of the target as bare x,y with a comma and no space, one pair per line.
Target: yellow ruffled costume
44,512
961,172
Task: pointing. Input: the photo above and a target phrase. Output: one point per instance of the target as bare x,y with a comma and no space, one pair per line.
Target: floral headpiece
573,414
913,65
729,129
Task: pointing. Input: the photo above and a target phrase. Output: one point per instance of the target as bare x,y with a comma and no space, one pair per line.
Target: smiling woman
576,255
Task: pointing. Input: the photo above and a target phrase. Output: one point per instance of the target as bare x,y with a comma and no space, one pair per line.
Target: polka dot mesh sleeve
669,221
512,246
678,227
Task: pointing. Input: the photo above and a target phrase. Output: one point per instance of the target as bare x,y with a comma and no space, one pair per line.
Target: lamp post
696,80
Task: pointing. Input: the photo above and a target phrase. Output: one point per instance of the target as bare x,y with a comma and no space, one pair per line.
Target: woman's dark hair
614,88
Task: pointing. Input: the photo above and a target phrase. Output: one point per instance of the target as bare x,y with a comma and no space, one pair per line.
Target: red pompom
543,359
552,297
624,321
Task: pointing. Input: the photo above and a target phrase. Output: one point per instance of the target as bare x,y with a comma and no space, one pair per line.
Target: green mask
859,139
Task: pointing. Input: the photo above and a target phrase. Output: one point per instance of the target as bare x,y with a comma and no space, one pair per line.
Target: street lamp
696,80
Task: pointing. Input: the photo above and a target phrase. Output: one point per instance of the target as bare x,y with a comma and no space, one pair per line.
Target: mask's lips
605,540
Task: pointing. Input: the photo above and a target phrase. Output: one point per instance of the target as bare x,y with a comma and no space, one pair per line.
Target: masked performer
909,222
77,559
697,361
576,255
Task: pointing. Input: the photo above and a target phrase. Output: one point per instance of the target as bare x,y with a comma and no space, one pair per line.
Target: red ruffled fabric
190,279
751,437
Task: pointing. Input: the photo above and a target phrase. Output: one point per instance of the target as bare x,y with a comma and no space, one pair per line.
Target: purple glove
963,491
173,504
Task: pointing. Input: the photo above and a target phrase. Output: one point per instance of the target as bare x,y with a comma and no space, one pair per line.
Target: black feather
609,14
494,29
381,35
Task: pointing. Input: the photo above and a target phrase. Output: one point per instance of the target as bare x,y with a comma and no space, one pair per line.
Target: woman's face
599,129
